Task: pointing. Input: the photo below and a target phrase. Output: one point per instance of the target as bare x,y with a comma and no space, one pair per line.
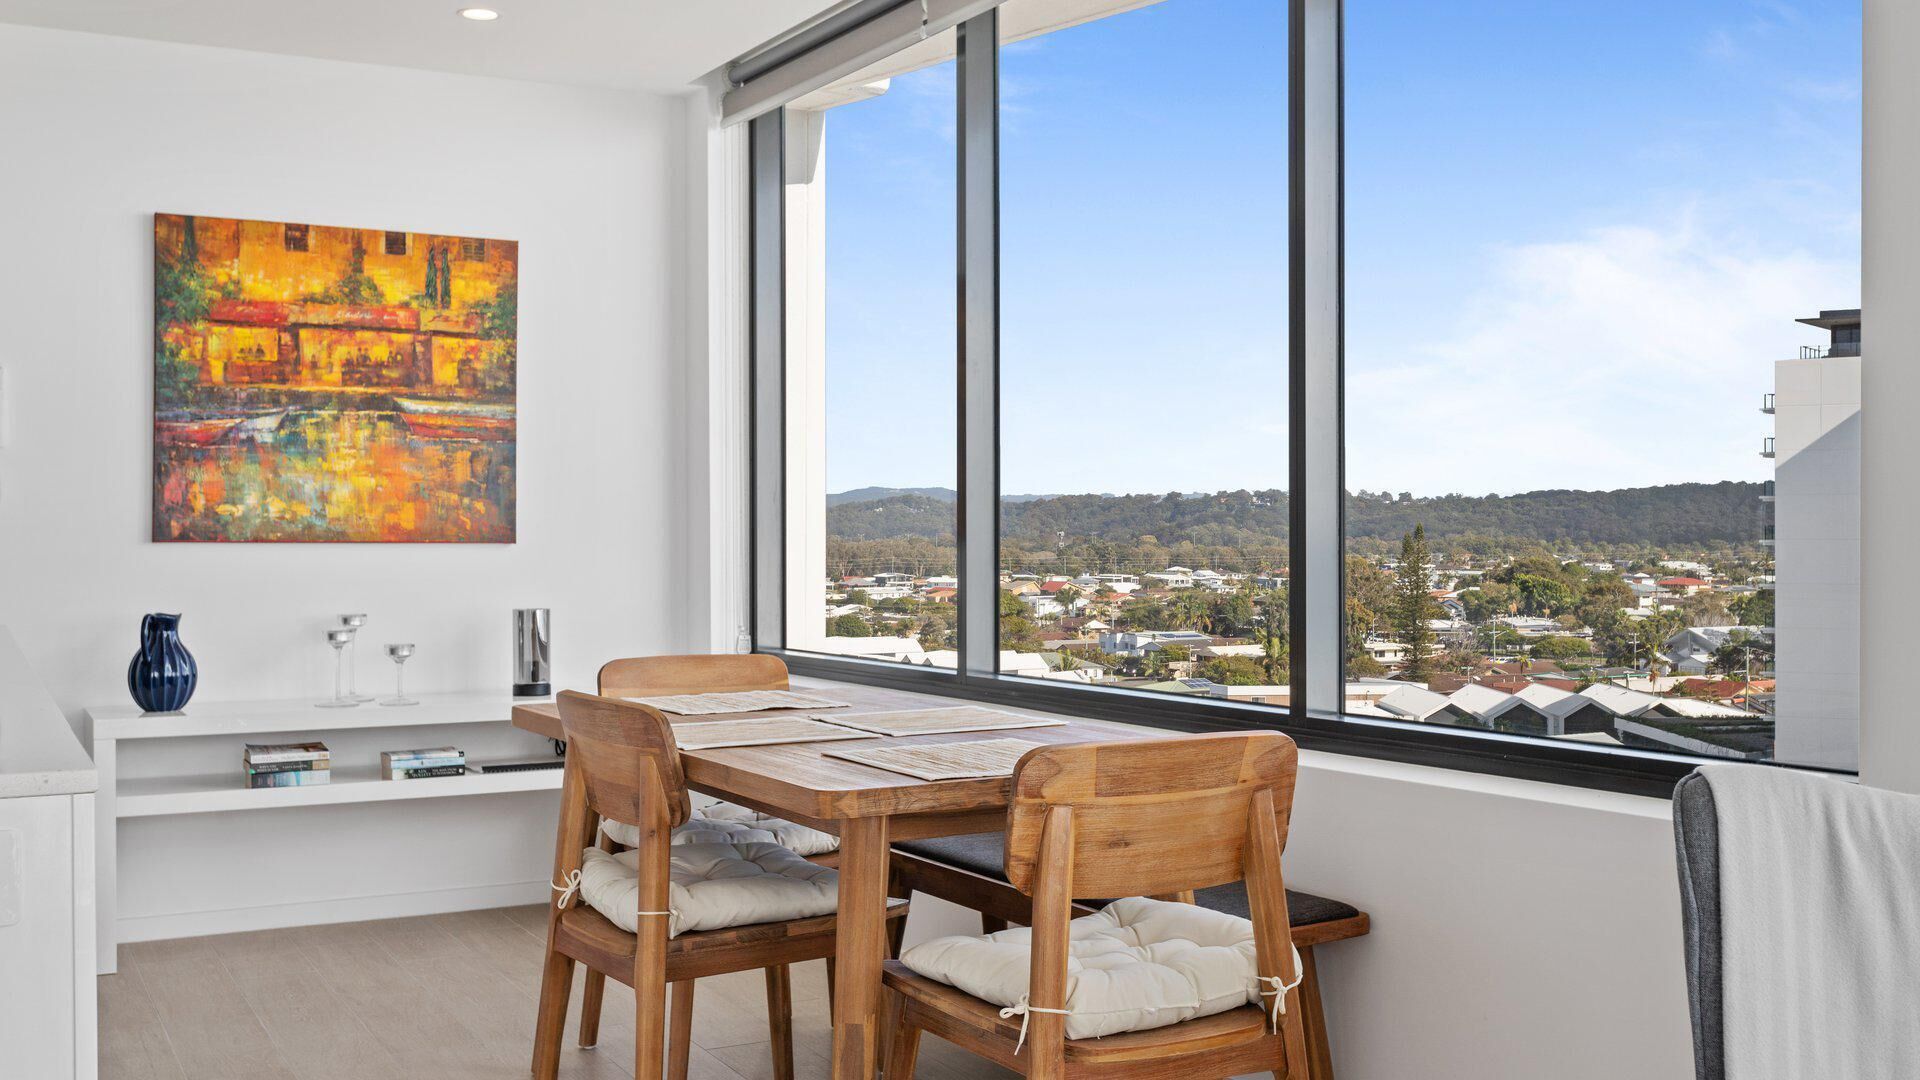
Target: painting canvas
323,384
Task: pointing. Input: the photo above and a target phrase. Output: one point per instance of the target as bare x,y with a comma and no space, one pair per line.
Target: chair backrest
1152,816
626,758
657,676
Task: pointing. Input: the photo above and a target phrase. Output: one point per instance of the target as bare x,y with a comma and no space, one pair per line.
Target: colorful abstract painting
314,383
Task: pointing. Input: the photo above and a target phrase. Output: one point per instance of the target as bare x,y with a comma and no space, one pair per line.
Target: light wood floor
440,997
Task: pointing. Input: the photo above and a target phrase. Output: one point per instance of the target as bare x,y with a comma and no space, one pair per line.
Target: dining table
869,809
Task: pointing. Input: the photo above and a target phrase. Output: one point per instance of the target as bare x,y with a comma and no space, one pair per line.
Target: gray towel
1820,926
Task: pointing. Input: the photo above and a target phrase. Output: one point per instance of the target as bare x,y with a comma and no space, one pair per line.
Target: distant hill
871,494
1677,515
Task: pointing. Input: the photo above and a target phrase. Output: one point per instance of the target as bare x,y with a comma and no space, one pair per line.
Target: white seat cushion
713,886
725,823
1138,964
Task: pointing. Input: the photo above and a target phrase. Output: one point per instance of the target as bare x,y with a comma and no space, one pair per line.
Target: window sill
1461,750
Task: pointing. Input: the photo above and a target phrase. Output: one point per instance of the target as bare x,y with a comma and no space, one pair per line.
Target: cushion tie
572,889
1022,1009
568,891
1279,987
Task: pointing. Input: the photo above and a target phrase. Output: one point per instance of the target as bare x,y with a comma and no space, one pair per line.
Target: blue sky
1577,235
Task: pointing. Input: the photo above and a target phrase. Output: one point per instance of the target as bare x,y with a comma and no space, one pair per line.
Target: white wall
1520,930
98,133
1890,379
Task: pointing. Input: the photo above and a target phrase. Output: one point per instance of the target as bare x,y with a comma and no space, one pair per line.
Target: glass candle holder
399,653
338,640
353,623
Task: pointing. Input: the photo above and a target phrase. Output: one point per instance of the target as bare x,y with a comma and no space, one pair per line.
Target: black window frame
1315,469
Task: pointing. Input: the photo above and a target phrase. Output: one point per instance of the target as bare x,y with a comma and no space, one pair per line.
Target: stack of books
419,764
288,764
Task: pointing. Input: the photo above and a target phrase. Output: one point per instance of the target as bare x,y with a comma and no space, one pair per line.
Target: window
1143,350
295,237
870,355
473,250
1388,374
395,243
1573,318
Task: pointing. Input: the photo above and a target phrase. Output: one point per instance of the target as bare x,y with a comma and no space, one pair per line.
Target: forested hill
1677,515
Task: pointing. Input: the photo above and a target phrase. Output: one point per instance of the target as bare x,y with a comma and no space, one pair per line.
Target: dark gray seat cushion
1696,834
985,854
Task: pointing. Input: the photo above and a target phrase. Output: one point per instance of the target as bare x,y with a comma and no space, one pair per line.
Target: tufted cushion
985,854
725,823
713,886
1138,964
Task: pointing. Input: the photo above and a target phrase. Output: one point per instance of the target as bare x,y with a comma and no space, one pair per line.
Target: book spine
421,774
287,766
271,757
424,763
289,779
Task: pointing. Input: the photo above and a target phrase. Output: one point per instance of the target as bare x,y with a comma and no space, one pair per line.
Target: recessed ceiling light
479,14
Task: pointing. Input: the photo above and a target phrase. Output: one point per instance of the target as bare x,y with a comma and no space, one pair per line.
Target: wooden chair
622,763
658,676
970,870
1158,818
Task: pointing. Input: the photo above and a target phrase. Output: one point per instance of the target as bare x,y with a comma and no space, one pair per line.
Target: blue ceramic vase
162,675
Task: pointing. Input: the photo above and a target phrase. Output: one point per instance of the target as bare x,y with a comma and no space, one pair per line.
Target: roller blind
847,39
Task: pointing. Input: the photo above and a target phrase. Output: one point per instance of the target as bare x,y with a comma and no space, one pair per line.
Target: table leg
858,1006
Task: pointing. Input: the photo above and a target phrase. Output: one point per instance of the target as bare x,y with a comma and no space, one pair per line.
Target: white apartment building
1816,528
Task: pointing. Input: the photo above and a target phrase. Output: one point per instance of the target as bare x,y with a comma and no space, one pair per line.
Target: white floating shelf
260,717
163,795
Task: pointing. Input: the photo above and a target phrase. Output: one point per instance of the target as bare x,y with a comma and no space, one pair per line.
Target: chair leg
549,1025
680,1033
591,997
780,1020
830,971
991,924
1314,1016
906,1042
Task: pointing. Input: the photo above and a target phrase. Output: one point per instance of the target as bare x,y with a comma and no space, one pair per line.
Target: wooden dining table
869,809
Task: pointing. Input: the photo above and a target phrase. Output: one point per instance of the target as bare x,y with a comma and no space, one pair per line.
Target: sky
1577,237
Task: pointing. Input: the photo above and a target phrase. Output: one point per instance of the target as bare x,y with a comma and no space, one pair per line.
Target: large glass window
870,353
1576,251
1143,348
1557,338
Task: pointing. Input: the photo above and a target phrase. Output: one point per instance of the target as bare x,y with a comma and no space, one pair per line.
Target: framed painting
321,384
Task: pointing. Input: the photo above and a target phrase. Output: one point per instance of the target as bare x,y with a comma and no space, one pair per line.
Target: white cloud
1632,355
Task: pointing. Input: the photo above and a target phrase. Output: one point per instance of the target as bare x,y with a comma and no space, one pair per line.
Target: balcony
1766,404
1766,492
1766,447
1821,352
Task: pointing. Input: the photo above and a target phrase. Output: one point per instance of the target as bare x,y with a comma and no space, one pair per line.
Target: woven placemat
942,761
770,731
941,721
742,701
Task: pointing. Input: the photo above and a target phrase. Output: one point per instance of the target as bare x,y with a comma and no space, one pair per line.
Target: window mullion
767,280
1317,574
977,516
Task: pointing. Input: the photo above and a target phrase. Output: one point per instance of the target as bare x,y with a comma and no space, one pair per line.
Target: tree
848,625
1234,671
1741,654
1754,609
1560,647
1413,603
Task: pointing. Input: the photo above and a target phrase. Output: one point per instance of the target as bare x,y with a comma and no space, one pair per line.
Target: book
305,778
521,766
422,759
429,771
269,753
288,766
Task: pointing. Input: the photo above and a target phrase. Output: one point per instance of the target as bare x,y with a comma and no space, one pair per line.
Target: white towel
1820,926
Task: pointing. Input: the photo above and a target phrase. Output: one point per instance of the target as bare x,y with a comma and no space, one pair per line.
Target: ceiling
653,45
